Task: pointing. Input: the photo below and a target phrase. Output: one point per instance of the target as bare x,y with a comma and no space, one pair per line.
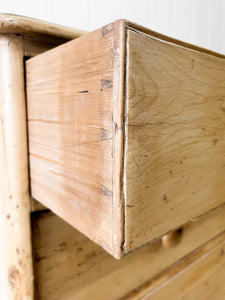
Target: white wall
201,22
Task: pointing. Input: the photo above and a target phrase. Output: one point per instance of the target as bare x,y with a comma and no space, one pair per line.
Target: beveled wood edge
10,23
119,50
162,37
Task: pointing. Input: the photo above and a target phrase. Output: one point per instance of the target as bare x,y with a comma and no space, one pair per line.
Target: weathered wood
20,38
126,132
203,279
38,35
199,275
82,152
16,276
175,128
69,266
10,23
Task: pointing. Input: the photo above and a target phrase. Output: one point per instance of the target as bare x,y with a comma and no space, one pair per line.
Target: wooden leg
16,274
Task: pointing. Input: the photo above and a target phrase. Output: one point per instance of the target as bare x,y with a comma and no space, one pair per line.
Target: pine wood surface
126,133
16,274
174,152
200,280
83,111
199,275
16,24
20,38
70,266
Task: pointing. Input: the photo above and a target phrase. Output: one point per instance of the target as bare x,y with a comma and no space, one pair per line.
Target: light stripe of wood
16,276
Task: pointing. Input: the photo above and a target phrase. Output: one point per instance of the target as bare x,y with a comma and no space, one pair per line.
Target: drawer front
199,276
69,266
126,134
175,128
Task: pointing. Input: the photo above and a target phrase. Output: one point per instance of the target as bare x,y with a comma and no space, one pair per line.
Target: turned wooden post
16,275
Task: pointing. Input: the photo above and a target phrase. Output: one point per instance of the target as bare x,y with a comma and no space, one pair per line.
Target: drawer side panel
69,93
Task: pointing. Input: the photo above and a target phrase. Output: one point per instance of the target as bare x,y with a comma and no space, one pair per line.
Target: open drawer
126,133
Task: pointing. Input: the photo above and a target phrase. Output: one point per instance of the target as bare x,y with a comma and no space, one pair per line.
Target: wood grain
71,133
174,149
49,36
20,38
199,275
15,24
126,132
16,274
69,266
202,279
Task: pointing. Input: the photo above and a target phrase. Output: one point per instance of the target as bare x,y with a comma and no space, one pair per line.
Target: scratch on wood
105,134
94,126
194,220
83,92
151,124
105,191
135,161
106,29
130,206
105,84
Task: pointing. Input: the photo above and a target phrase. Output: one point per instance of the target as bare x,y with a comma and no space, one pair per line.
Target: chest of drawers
125,138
